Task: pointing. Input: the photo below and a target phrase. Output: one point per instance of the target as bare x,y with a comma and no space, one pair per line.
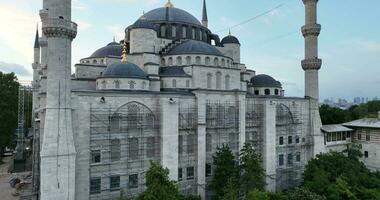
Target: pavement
5,189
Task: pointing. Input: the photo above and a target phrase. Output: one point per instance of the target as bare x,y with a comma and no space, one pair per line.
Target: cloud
12,67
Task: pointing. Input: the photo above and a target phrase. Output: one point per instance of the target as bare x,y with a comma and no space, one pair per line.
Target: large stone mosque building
171,92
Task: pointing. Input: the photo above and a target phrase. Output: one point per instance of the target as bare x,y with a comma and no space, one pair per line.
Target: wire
251,19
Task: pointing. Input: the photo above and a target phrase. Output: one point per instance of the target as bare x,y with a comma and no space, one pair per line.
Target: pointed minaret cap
204,15
36,43
169,4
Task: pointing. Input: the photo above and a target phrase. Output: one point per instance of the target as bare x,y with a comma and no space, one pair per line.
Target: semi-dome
264,80
143,23
124,70
195,47
171,14
112,49
230,39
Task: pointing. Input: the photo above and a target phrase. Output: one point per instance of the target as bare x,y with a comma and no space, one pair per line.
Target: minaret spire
169,4
204,15
36,43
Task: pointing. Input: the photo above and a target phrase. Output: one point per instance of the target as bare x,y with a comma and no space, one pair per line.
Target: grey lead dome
263,80
171,15
230,40
112,49
195,47
124,70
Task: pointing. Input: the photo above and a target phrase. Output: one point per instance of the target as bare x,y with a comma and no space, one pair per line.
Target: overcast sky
272,44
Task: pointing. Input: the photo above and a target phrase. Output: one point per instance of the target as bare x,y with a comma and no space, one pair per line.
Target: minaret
35,65
311,65
204,15
58,150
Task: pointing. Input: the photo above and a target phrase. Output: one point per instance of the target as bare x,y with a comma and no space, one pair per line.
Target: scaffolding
123,141
254,123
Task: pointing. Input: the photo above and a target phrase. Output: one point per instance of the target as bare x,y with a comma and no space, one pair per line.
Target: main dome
112,49
171,15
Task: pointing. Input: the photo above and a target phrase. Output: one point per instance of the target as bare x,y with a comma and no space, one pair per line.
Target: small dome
264,80
230,40
124,70
143,23
171,15
195,47
112,49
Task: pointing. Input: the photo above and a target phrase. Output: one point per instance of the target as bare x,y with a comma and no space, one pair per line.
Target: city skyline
346,49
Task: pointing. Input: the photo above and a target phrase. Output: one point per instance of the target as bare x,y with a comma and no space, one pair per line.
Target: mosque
172,91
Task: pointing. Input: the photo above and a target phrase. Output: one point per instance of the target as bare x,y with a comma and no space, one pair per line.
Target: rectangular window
114,183
190,143
290,159
190,173
180,144
133,148
339,136
368,137
208,170
133,181
180,174
95,184
366,154
359,136
281,160
184,30
281,140
208,142
328,137
150,151
298,156
344,136
297,139
333,137
95,156
348,135
290,139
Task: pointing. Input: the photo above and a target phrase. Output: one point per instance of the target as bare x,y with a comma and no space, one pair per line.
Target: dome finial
114,39
124,53
169,4
229,32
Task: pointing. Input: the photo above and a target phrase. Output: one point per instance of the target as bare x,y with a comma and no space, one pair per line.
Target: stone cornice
55,27
311,64
311,30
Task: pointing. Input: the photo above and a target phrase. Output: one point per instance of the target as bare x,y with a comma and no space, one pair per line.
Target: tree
8,107
158,184
252,174
303,194
225,172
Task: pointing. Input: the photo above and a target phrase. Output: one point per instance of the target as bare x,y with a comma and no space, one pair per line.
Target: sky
272,44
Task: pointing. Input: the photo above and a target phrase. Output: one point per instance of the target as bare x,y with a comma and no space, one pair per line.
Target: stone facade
172,97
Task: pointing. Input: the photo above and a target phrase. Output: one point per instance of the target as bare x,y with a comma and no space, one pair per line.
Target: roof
195,47
335,128
364,123
112,49
171,14
173,71
124,70
263,80
143,23
230,40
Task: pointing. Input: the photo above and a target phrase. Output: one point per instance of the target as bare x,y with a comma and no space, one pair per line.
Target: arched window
95,61
276,92
193,33
216,62
198,60
132,85
170,61
267,91
207,61
163,30
184,31
163,61
218,80
209,80
117,84
227,82
102,61
133,149
174,83
179,60
188,60
187,83
174,31
223,63
87,61
104,84
228,63
257,92
115,150
200,35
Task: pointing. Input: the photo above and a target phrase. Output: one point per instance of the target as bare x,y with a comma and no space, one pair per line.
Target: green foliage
158,184
191,197
341,176
252,175
8,110
225,173
303,194
330,115
256,194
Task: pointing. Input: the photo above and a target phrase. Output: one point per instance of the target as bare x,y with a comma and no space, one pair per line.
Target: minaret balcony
311,64
43,14
56,27
311,30
310,1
